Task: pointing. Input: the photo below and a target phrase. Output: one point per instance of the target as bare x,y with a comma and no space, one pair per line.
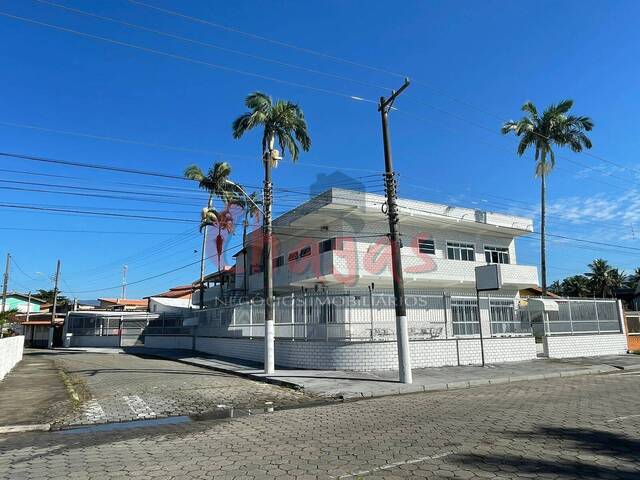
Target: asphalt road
570,428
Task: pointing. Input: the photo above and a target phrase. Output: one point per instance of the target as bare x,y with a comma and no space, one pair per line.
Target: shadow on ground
573,453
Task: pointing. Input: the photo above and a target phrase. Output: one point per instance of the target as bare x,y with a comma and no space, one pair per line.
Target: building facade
337,241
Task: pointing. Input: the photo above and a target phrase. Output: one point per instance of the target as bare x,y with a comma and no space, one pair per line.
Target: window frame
305,252
278,261
293,256
500,251
428,240
467,247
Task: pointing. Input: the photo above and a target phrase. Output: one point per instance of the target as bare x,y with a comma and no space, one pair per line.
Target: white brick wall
11,349
159,341
360,356
567,346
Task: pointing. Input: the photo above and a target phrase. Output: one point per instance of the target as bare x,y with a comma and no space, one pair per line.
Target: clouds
618,215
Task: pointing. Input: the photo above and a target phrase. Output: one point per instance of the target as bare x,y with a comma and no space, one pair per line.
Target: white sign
488,278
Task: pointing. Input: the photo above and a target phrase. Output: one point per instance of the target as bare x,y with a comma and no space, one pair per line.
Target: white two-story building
337,241
334,306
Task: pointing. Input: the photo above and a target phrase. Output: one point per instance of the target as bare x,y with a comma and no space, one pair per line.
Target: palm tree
281,121
217,183
554,128
576,286
600,277
634,279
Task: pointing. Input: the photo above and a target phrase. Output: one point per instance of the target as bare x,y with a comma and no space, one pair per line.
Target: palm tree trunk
203,257
543,221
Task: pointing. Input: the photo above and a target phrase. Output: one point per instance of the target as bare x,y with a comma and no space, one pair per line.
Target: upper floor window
496,254
426,245
305,252
461,251
327,245
278,261
293,256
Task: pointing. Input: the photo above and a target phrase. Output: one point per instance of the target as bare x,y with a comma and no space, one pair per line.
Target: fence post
371,309
304,314
293,316
444,312
595,307
570,315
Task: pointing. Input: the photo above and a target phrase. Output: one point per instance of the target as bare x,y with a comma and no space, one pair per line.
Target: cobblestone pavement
574,428
127,387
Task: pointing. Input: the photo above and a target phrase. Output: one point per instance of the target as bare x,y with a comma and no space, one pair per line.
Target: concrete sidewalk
350,385
33,394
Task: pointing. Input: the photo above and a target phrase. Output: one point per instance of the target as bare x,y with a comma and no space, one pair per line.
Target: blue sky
474,64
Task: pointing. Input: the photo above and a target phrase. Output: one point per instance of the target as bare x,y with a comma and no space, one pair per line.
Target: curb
401,390
38,427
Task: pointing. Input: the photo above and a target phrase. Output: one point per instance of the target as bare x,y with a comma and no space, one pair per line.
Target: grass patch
76,388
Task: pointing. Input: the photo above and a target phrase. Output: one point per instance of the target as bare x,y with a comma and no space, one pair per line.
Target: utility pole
29,306
5,282
402,334
124,281
55,305
269,347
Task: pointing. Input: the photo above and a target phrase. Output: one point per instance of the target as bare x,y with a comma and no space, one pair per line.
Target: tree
284,122
8,316
576,286
634,279
47,296
600,278
217,183
554,128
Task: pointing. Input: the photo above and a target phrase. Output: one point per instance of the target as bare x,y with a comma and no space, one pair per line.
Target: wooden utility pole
5,282
55,304
402,333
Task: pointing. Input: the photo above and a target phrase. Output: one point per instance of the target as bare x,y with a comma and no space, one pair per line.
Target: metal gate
131,330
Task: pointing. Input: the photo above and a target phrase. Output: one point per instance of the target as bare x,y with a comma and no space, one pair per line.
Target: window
327,245
426,245
305,252
460,251
464,316
278,261
293,256
496,254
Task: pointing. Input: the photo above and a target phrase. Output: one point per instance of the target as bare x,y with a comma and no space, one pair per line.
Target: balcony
359,264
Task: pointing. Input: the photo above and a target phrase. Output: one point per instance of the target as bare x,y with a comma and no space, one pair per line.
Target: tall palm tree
600,277
284,122
217,183
554,128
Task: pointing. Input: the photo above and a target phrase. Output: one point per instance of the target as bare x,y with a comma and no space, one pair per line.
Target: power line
187,59
211,45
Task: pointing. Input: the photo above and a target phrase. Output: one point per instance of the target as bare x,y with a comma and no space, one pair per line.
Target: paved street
123,387
570,428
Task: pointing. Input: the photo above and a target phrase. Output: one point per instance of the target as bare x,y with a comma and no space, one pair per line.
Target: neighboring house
220,285
20,302
176,299
337,241
168,305
123,304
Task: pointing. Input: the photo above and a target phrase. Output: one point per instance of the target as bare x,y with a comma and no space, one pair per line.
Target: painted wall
360,356
11,349
21,305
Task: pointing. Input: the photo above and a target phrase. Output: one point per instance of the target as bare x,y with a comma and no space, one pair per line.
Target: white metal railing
361,316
